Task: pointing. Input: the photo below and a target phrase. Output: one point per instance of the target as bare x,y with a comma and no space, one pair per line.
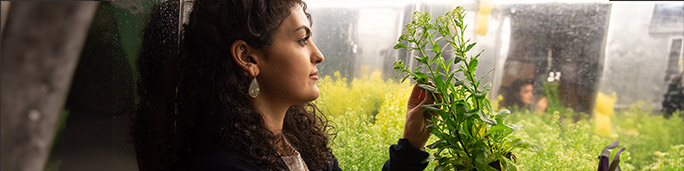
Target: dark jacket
674,97
403,156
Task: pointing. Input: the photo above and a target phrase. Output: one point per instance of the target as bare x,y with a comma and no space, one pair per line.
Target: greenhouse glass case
576,76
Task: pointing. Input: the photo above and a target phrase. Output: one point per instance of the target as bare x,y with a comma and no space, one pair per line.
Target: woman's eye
304,40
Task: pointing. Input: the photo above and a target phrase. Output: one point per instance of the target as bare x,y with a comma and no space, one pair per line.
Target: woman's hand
415,128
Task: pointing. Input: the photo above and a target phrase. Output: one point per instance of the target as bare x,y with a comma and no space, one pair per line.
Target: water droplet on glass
34,115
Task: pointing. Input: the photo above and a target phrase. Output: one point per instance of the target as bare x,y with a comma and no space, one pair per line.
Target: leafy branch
471,135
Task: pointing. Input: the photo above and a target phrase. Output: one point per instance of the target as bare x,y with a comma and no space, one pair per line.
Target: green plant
552,94
471,135
648,133
361,142
670,160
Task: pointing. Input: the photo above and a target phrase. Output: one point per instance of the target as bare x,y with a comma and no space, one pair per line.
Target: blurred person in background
520,95
674,97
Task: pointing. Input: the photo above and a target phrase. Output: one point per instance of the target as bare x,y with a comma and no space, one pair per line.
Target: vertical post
5,8
40,50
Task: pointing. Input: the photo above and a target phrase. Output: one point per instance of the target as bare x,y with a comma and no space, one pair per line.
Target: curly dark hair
511,95
198,98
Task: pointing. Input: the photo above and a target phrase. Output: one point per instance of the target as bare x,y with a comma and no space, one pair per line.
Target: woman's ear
245,56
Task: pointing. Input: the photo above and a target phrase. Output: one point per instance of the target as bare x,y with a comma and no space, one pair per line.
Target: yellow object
602,111
483,17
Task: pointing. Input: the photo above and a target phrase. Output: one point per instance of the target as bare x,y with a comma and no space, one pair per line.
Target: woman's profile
238,96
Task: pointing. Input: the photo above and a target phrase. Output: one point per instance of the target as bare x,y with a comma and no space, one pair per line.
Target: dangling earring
254,88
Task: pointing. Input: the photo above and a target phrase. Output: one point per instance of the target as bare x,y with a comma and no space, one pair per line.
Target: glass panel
600,64
94,129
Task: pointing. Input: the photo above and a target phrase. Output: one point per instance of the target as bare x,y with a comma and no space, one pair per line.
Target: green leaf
470,46
478,54
458,24
472,65
436,58
438,81
420,76
487,73
432,108
418,58
441,167
499,128
507,164
398,65
468,114
428,88
435,48
437,144
404,79
423,60
436,105
481,162
458,107
481,94
400,46
486,118
417,69
433,127
457,59
467,84
486,105
524,144
501,115
486,87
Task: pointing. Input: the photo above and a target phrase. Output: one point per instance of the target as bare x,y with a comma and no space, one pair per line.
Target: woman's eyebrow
306,28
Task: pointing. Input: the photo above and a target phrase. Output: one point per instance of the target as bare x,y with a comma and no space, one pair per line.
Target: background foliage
369,115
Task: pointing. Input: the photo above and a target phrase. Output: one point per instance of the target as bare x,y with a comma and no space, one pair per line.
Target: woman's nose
316,55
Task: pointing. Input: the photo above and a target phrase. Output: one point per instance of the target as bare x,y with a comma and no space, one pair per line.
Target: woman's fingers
415,128
417,95
430,99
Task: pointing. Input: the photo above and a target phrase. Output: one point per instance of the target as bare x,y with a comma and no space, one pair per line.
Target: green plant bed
652,142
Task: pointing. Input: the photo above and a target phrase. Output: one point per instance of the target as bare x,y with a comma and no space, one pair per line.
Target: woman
238,96
520,95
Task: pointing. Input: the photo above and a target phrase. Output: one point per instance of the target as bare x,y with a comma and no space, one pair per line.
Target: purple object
603,158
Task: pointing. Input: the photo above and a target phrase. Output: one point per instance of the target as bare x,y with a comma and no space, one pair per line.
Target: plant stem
489,144
429,66
461,141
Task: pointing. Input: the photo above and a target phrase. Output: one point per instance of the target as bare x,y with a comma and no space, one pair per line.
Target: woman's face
526,95
288,73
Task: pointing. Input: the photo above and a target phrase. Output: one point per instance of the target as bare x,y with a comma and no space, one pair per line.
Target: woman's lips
314,75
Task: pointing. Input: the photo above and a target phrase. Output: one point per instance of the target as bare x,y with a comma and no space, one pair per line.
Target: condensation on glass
94,129
578,48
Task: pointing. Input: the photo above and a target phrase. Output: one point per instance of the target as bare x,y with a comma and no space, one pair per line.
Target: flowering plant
471,134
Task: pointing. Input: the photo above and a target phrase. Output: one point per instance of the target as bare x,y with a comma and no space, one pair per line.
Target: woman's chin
316,93
312,95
